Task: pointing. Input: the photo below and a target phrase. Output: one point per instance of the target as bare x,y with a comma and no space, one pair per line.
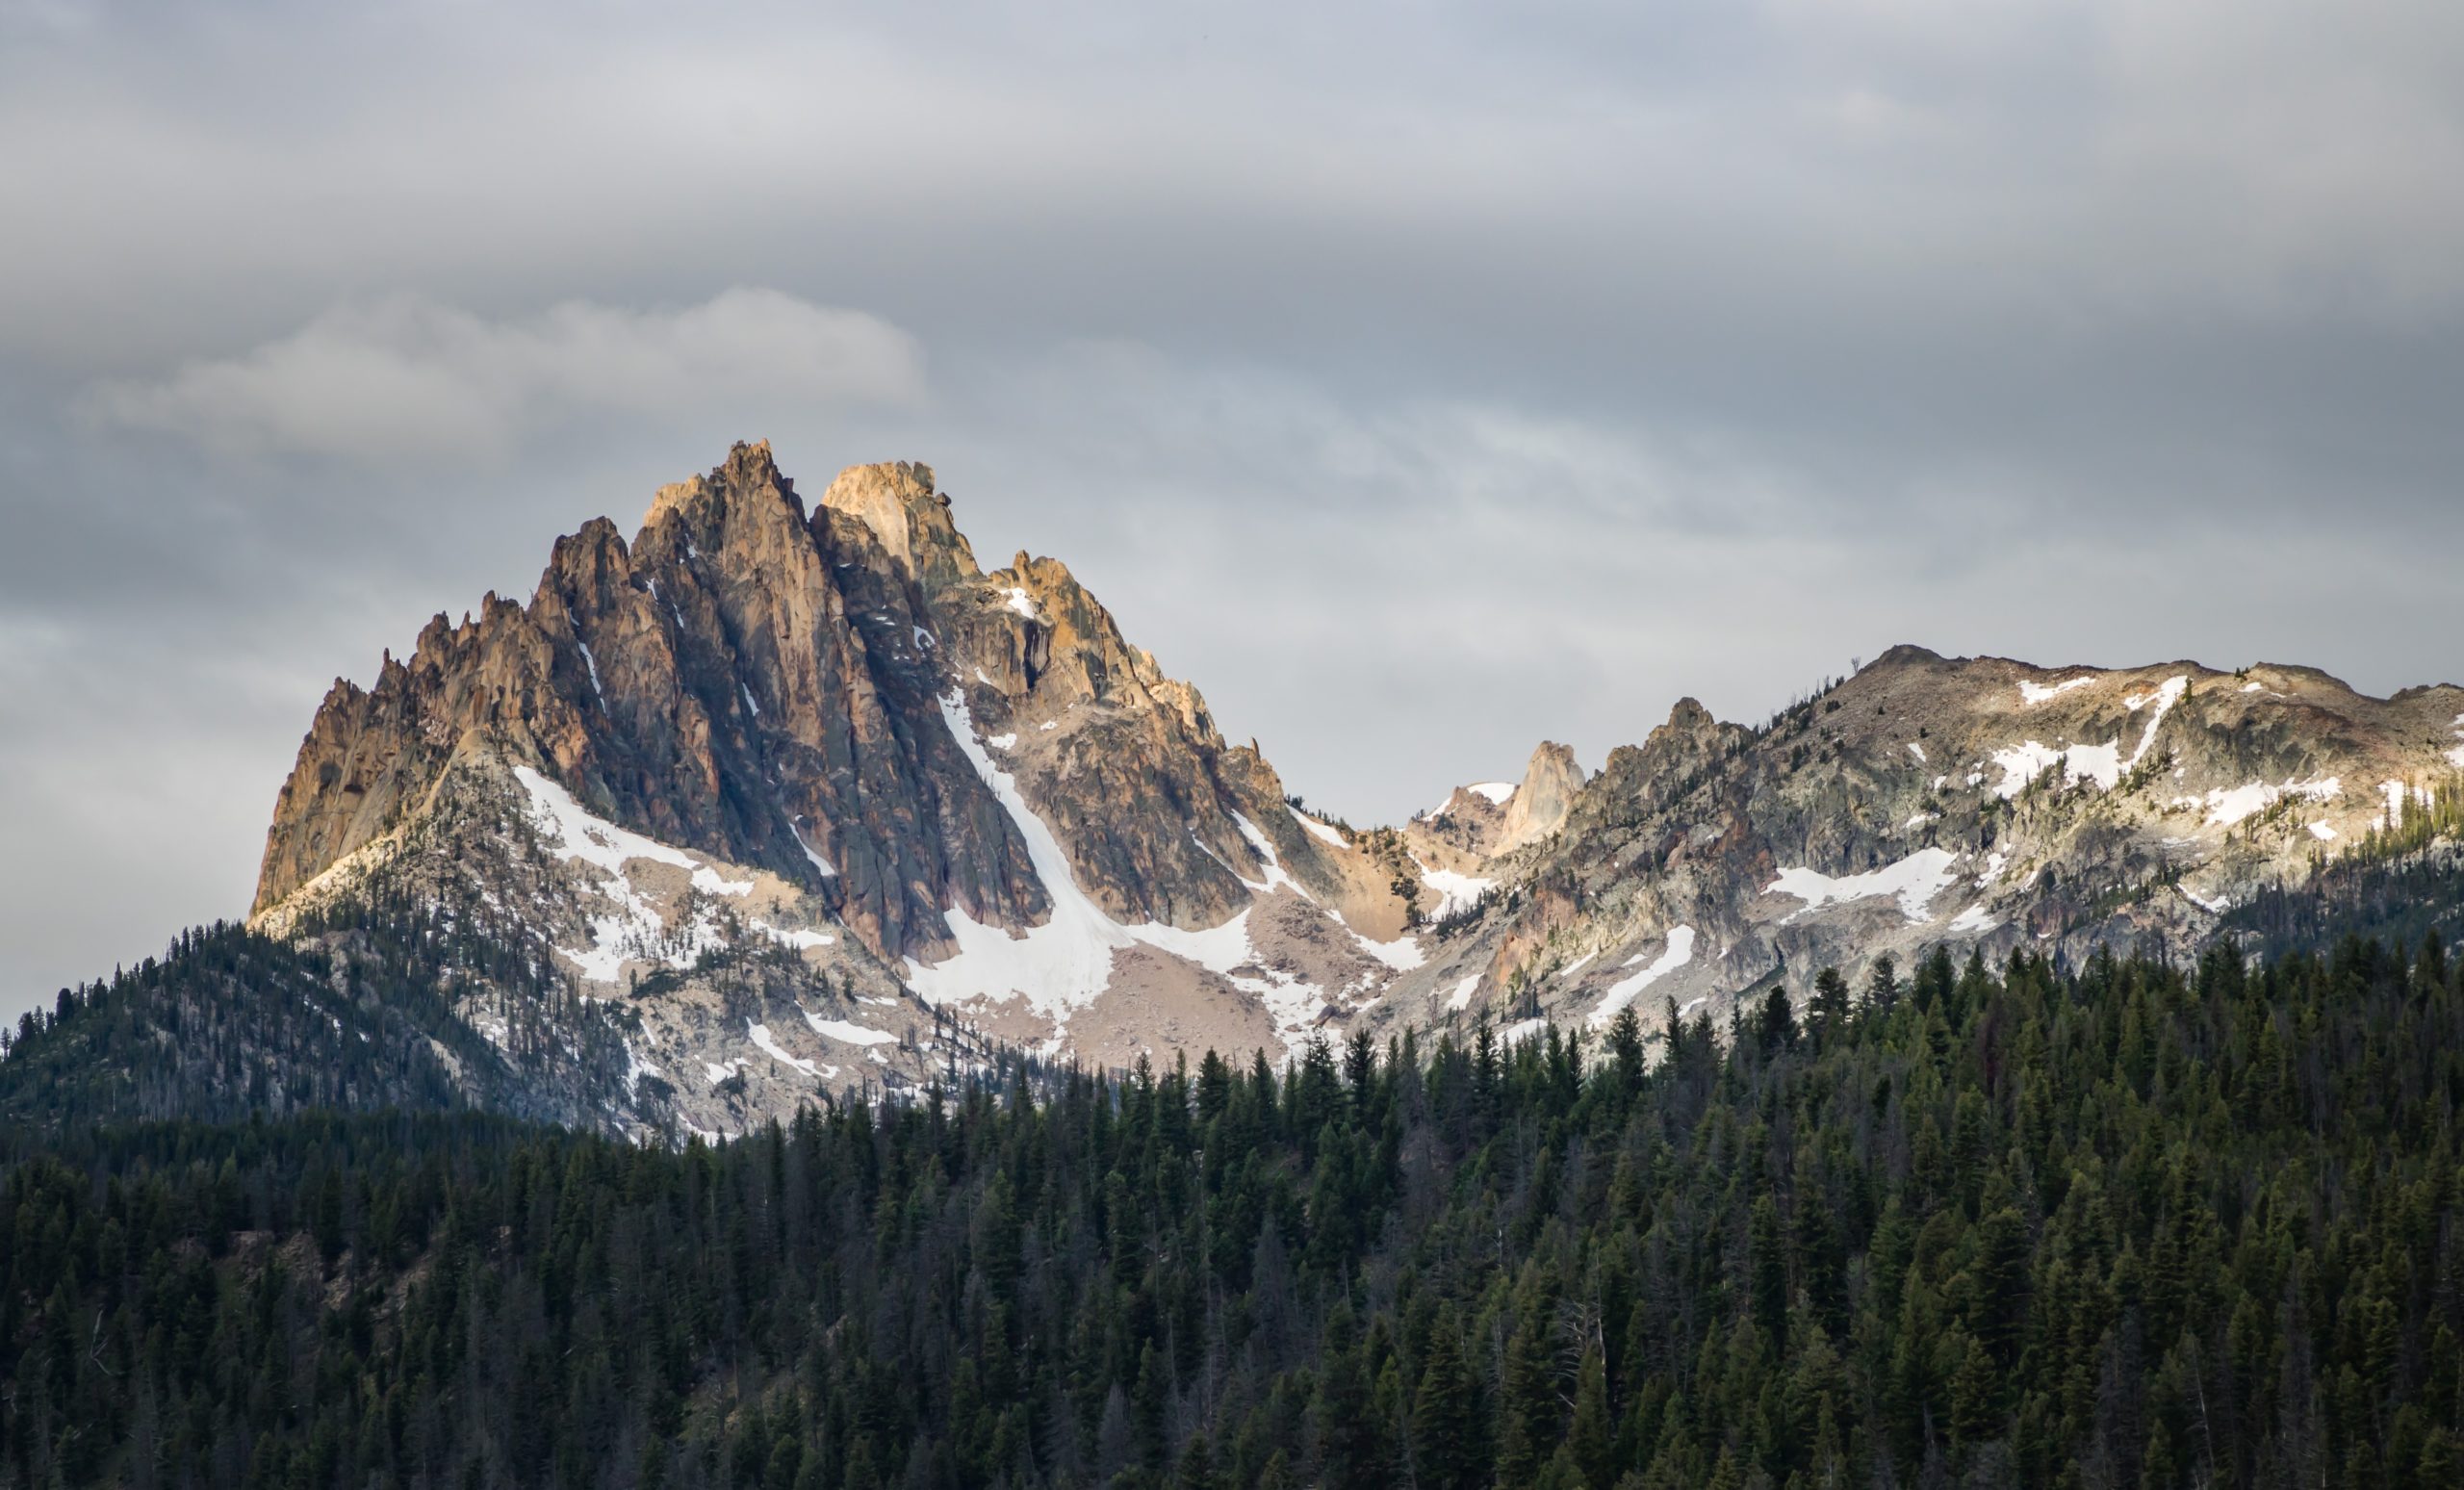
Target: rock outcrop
1539,803
969,781
1969,803
802,798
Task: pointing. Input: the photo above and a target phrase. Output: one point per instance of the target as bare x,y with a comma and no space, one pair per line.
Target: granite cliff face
776,799
958,793
1972,804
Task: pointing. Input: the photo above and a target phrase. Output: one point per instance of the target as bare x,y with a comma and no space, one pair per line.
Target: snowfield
2102,764
1913,881
1455,893
636,931
847,1034
1319,829
771,1048
1679,952
2034,693
2229,805
1064,965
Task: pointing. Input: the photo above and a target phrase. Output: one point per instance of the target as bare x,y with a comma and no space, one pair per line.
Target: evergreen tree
1446,1450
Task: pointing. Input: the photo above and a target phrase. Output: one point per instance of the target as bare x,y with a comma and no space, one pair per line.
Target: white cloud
403,377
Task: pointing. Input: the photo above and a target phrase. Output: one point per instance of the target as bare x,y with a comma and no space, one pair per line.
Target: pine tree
1589,1440
1527,1410
1349,1447
1445,1447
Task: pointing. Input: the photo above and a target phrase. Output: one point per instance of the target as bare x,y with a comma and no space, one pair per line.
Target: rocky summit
812,799
781,799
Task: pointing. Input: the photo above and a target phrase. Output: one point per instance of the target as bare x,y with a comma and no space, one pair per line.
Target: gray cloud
405,379
1419,379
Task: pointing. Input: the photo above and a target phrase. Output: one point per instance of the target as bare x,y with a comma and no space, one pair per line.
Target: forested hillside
2136,1226
377,1008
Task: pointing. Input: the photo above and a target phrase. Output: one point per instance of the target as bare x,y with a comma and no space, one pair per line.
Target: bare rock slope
777,800
1975,803
957,803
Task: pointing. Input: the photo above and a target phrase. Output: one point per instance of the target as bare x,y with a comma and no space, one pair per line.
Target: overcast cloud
1420,379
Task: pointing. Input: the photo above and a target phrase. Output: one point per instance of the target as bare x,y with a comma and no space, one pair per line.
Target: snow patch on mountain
2034,693
1679,952
820,865
634,929
2229,805
1064,965
2393,816
1402,954
636,1067
1913,881
2103,765
771,1047
844,1033
570,832
1320,831
1275,874
2024,762
795,939
1455,893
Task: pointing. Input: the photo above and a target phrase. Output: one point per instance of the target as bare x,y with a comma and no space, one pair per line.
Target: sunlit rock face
827,730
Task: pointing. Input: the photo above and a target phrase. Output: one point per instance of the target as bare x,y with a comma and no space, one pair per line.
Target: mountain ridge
778,799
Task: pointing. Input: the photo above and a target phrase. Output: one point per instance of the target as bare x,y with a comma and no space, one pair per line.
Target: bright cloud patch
404,377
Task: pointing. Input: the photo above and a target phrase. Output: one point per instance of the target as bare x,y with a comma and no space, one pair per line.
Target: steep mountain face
959,803
1969,802
777,800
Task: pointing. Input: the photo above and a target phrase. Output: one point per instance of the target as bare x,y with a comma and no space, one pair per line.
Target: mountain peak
747,474
1538,805
897,502
1905,655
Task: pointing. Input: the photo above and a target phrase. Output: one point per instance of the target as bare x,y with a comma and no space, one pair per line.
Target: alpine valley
779,801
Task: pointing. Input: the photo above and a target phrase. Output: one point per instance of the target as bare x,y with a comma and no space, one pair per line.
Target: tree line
2134,1224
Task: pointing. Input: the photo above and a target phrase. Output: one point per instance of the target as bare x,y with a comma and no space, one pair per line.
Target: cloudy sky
1420,379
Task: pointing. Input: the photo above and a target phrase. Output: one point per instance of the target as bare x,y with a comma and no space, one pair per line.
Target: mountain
778,799
807,798
1971,802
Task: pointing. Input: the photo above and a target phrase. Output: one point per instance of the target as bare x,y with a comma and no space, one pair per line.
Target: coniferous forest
2133,1225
